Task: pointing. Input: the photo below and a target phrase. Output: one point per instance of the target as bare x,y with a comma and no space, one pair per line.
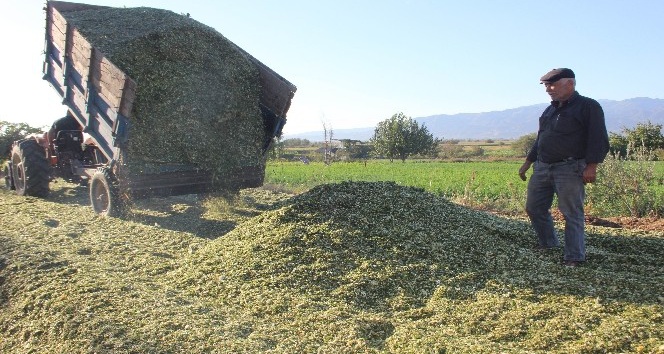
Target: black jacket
576,129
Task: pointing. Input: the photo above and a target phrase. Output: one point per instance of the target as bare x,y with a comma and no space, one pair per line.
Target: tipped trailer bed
92,142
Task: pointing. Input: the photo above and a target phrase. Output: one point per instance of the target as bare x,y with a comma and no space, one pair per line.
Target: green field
490,179
488,184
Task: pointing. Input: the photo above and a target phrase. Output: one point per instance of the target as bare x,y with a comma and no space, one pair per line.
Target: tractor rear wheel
30,169
105,194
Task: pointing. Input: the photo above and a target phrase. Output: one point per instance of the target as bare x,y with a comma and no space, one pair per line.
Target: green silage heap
197,97
353,267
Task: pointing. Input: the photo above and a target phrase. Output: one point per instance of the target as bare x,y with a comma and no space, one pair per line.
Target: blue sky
356,62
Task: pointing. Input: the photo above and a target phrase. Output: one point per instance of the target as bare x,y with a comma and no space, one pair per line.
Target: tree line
10,132
400,137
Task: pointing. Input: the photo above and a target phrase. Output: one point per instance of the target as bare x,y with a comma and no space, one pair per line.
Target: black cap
557,74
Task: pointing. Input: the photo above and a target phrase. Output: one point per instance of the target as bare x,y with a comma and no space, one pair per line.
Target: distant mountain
511,123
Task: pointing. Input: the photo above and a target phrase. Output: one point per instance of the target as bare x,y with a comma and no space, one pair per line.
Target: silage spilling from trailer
197,96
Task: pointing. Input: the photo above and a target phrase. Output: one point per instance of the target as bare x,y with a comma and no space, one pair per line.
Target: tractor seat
69,140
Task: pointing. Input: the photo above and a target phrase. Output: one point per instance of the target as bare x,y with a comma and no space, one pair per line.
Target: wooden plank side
113,84
101,125
78,60
57,28
86,70
97,76
112,81
58,20
54,53
101,133
101,106
57,23
276,94
128,97
80,55
77,101
109,82
56,74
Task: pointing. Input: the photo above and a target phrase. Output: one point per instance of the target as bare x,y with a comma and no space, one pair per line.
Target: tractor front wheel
105,194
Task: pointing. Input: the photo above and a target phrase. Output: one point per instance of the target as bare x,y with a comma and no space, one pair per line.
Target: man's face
560,90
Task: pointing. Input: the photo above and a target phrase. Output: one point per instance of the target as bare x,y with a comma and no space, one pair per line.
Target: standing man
571,142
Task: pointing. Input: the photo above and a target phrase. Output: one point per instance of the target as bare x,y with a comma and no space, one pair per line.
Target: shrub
458,151
623,185
523,144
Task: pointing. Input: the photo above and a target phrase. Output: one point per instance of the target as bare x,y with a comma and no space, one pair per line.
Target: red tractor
62,152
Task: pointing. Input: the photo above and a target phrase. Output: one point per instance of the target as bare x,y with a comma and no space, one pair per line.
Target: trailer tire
105,194
30,169
9,183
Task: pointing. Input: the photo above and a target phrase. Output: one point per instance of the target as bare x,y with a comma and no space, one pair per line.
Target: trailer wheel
9,183
105,196
30,169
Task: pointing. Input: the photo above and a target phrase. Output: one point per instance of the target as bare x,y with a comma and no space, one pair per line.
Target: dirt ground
625,222
646,224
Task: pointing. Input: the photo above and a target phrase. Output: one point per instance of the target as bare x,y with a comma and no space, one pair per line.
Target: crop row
484,179
494,184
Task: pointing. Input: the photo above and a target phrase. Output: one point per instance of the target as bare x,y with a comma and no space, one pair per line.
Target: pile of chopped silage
197,96
353,267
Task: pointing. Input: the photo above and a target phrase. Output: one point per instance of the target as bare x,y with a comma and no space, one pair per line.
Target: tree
647,136
293,142
618,144
523,144
401,136
10,132
277,149
354,149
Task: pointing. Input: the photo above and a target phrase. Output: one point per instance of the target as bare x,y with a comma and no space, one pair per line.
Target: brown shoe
572,264
539,247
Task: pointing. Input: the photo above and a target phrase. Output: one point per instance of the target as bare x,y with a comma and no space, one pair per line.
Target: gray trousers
564,180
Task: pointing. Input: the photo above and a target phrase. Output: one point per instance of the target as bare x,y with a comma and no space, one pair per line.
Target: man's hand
590,173
523,169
